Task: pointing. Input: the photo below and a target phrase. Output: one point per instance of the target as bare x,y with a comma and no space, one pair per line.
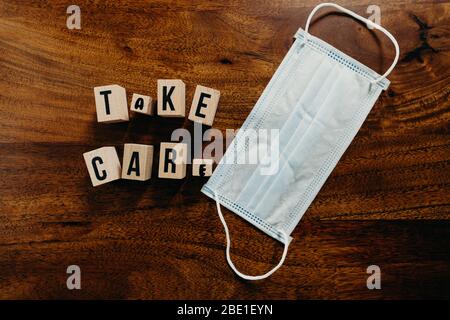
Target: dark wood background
386,202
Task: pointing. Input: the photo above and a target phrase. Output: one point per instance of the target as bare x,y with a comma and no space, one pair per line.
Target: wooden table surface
386,203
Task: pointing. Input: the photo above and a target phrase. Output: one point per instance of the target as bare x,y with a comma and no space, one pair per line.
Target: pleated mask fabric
317,100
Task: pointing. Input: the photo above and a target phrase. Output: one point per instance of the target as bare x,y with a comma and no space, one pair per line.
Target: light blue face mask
318,99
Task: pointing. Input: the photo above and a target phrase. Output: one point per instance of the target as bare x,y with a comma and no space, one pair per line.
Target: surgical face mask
318,99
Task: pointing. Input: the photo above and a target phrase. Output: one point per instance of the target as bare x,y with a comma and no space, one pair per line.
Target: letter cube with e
171,98
204,105
202,167
141,104
172,160
137,161
103,165
111,103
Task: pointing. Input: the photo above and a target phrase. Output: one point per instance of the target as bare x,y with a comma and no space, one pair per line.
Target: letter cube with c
103,165
171,98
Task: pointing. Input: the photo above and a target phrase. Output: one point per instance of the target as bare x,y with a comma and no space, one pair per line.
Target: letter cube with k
171,98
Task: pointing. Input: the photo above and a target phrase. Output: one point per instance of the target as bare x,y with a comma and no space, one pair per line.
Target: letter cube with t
204,105
172,160
171,98
202,167
137,161
111,103
141,104
103,165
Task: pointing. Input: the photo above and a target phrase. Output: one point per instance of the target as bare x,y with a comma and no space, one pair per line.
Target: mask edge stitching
261,224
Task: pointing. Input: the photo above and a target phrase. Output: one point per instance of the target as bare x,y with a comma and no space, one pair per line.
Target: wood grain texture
386,202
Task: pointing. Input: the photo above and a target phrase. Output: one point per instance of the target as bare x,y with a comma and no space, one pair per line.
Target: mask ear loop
230,262
367,21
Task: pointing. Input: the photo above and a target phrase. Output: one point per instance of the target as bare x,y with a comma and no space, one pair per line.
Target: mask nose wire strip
230,262
367,21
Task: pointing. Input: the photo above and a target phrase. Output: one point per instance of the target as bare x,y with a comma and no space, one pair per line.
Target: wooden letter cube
137,161
171,98
172,160
202,167
103,165
141,104
111,103
204,105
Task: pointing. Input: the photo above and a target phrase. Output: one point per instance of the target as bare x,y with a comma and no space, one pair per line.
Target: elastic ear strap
231,264
367,21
